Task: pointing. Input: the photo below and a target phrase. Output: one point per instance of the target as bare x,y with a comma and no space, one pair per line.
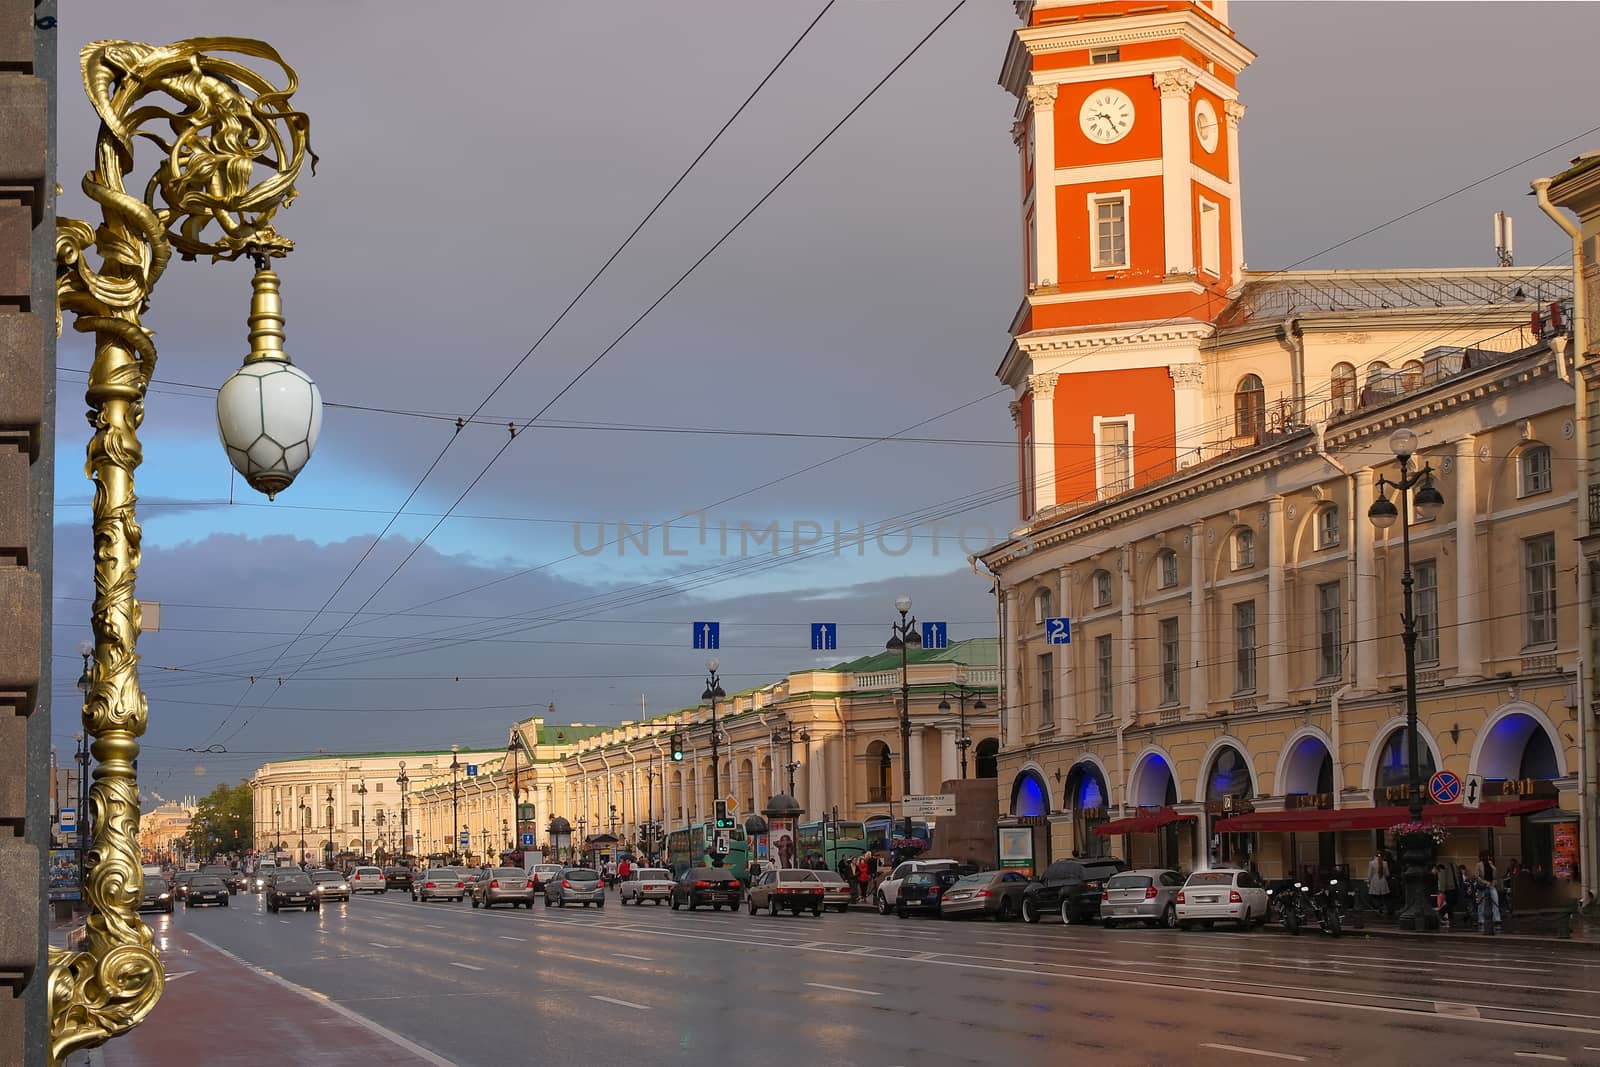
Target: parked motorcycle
1302,905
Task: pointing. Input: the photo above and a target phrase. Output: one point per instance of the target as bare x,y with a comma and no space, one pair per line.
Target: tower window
1114,439
1249,407
1343,388
1210,238
1108,221
1104,55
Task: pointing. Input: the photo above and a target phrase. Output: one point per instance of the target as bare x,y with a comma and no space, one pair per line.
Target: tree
223,821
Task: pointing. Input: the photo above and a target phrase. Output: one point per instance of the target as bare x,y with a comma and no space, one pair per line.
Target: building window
1249,407
1244,640
1411,375
1539,584
1030,484
1102,675
1343,388
1114,444
1330,631
1041,606
1328,526
356,788
1169,569
1244,549
1104,55
1533,467
1102,589
1169,661
1047,689
1210,238
1109,218
378,788
1426,577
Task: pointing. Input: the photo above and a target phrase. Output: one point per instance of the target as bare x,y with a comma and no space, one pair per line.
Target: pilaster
1043,100
1277,607
1199,670
1232,112
1176,179
1043,388
1468,616
1189,411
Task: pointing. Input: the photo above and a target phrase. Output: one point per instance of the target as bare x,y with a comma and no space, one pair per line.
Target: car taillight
427,885
461,885
933,892
984,893
1180,896
1105,895
702,885
734,884
495,884
1149,892
565,884
1234,897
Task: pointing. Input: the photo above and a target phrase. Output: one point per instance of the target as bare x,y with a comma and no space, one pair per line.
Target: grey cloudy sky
480,163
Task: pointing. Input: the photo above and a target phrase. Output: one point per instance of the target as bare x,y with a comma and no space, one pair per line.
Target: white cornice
1186,26
1094,338
1183,284
1108,172
1136,68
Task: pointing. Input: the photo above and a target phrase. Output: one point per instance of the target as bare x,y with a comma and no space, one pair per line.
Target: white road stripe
1253,1052
632,956
1541,1056
1460,1011
621,1003
465,966
503,937
374,944
844,989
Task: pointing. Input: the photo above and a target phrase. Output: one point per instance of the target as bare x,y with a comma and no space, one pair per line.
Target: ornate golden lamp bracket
231,150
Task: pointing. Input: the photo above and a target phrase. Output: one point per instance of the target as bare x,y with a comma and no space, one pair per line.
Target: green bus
822,844
688,846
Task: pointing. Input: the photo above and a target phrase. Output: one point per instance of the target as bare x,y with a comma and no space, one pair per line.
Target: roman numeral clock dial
1106,116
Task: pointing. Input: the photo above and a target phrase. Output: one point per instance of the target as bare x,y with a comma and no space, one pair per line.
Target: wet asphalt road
596,986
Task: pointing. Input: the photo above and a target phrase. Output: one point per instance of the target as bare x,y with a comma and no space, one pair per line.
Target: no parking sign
1445,787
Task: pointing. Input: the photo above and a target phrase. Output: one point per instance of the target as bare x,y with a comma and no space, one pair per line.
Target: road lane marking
374,944
620,1003
1541,1056
1253,1052
503,937
844,989
465,966
632,956
1460,1011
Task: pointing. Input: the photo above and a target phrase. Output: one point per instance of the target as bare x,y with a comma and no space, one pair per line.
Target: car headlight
166,896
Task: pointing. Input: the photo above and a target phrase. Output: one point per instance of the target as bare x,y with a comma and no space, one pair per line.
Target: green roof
374,755
973,652
566,735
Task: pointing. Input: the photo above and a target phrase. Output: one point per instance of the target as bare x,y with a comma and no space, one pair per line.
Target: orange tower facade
1127,128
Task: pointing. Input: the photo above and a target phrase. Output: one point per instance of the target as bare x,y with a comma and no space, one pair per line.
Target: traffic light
724,821
677,748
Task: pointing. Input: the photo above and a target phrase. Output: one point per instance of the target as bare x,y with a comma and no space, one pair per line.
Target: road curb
1465,938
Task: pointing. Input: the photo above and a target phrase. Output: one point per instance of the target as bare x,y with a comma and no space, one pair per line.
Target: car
330,885
259,880
577,885
889,890
180,883
922,892
995,894
544,872
368,880
157,894
1225,894
1070,888
397,878
206,889
790,888
835,890
502,885
1146,896
646,883
439,883
290,887
238,882
706,885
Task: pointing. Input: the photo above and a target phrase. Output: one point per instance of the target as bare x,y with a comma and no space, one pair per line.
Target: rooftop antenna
1502,239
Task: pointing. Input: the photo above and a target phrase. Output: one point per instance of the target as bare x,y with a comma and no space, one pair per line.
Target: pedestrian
624,869
847,872
1449,892
1378,881
1507,897
1488,894
863,879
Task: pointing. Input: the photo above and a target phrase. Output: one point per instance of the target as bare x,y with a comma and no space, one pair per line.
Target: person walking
1488,894
863,879
1449,891
1378,881
847,872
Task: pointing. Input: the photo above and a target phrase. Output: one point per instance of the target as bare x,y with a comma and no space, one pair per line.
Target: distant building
161,828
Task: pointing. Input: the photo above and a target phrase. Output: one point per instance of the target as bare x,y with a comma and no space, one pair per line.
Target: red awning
1147,822
1324,820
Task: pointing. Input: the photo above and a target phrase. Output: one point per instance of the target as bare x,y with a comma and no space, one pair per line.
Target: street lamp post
402,780
713,692
330,826
505,832
903,637
963,739
455,799
277,827
361,791
789,734
514,750
305,818
1414,489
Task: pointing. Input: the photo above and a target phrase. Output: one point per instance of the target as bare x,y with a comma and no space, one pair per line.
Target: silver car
1148,896
646,883
502,885
577,885
440,883
543,873
835,892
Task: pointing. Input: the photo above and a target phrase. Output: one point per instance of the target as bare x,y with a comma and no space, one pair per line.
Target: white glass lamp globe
269,415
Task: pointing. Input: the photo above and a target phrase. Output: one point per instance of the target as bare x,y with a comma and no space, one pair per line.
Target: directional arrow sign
934,635
1472,791
1058,631
527,840
824,636
708,635
472,770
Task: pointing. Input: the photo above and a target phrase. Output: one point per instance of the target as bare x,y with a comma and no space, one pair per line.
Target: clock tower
1127,126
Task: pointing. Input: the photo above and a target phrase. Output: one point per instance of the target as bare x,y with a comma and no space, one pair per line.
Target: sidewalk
205,983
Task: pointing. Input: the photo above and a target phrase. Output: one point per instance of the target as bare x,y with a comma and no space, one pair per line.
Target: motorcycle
1301,905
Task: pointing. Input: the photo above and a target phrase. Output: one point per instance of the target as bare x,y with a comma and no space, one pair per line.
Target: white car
368,880
646,883
889,891
1223,894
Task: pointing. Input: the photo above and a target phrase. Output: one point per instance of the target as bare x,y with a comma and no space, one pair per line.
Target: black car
922,891
157,894
291,887
397,878
706,885
1070,888
206,889
180,883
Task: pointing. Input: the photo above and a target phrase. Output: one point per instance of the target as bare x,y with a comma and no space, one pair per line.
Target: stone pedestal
1417,858
968,835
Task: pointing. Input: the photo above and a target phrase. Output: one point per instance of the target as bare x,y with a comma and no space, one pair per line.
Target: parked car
397,878
368,880
502,885
439,883
330,885
790,888
922,892
157,894
835,891
1070,888
706,885
1148,896
646,883
544,872
290,887
995,894
180,883
889,890
1226,894
577,885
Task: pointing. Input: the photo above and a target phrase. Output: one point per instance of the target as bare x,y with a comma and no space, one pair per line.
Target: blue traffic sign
466,837
934,635
708,635
1058,631
69,820
824,636
472,770
1445,787
527,840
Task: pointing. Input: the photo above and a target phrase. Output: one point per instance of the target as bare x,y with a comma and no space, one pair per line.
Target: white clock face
1205,125
1106,116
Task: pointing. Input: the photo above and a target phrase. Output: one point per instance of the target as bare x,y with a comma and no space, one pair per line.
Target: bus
883,831
824,843
687,845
